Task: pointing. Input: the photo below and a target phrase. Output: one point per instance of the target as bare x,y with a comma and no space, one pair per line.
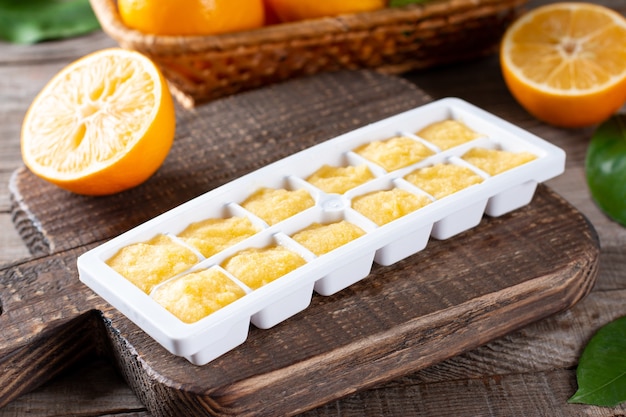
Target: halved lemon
566,63
103,124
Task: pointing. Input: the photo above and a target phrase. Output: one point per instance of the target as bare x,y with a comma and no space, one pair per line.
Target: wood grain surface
454,296
528,372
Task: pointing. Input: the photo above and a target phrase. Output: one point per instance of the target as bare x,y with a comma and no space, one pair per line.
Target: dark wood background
528,372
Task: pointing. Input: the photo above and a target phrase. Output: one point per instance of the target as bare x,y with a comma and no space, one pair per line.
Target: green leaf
601,371
30,21
400,3
605,167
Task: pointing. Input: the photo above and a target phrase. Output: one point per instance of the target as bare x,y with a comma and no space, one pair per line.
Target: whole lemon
191,17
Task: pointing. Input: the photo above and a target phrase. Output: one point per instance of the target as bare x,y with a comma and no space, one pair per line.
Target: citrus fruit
293,10
566,63
191,17
103,124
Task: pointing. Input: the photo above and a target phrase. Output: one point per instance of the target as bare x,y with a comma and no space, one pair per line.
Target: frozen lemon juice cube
441,180
322,238
383,207
147,264
256,267
395,153
197,294
275,205
211,236
495,161
338,180
447,134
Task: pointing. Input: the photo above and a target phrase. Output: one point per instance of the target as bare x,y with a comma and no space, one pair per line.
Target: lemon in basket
191,17
294,10
566,63
103,124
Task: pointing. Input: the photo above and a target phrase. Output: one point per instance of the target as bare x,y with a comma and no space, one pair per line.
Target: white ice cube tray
223,330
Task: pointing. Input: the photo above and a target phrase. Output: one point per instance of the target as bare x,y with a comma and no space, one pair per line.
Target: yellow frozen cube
211,236
495,161
395,153
383,207
256,267
197,294
447,134
338,180
147,264
441,180
322,238
275,205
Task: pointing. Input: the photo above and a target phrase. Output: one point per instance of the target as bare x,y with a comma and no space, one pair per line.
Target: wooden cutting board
453,296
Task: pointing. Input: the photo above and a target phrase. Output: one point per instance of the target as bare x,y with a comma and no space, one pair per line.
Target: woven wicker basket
393,41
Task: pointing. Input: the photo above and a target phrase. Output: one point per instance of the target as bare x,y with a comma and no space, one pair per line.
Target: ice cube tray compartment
328,273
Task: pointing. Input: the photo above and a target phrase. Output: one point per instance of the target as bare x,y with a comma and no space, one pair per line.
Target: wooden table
528,372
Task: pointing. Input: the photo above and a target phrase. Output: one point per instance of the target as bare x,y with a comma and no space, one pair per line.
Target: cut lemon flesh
566,62
103,124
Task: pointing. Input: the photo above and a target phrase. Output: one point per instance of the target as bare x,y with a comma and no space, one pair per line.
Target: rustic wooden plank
517,362
541,394
527,372
552,343
12,244
452,297
479,83
60,51
82,391
453,307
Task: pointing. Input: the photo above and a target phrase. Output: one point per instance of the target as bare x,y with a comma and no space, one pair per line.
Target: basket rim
107,13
